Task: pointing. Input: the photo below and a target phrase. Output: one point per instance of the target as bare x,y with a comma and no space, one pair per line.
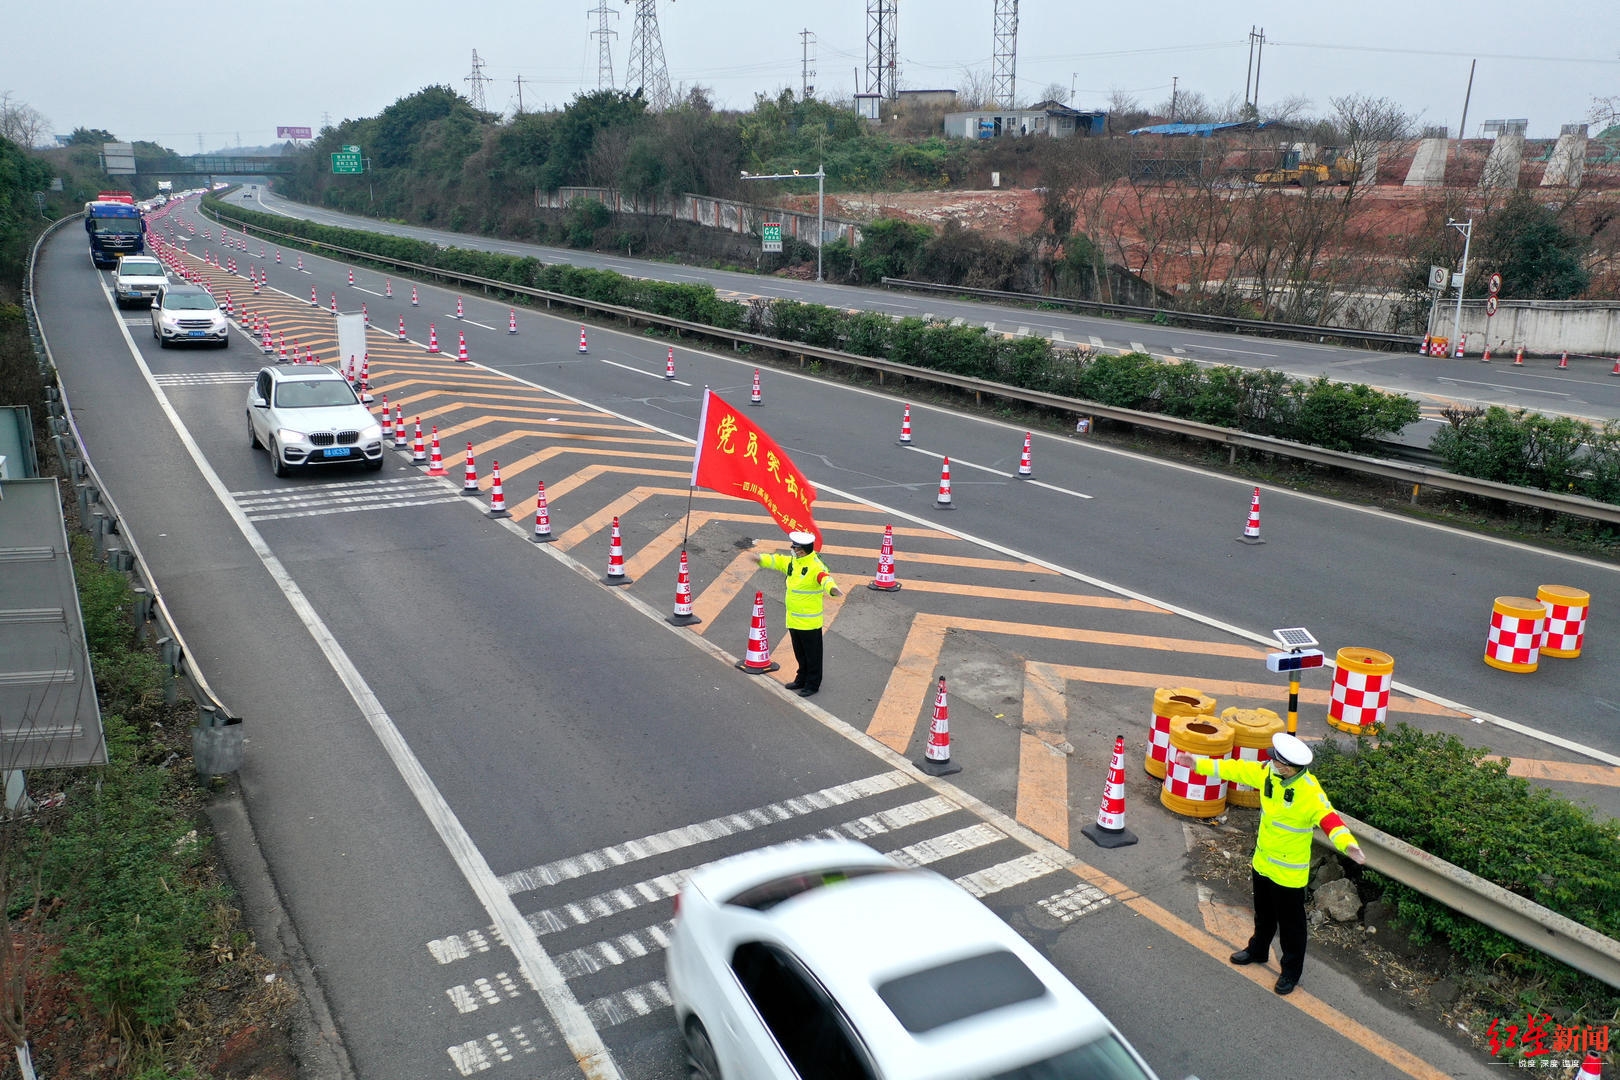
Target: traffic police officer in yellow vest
808,580
1292,804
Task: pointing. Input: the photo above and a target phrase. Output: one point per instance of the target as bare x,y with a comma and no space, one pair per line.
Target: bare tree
1293,109
1368,129
1186,107
1052,91
21,122
973,89
1605,111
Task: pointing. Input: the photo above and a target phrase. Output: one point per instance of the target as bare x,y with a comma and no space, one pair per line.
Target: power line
1448,53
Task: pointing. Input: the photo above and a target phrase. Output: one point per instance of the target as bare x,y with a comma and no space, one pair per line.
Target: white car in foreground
310,415
825,959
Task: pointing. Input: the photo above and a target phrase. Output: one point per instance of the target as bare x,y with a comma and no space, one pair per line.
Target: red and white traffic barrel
1565,630
1514,641
1359,701
1170,702
1184,791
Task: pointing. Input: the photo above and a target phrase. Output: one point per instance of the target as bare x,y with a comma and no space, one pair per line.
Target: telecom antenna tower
882,58
477,80
604,46
807,83
648,72
1004,62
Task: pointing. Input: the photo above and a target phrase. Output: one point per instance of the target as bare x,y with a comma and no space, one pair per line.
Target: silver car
138,279
189,315
309,415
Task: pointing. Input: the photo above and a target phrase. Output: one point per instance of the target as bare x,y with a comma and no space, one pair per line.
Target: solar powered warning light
1300,656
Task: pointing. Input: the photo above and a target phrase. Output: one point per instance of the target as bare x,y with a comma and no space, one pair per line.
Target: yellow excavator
1333,166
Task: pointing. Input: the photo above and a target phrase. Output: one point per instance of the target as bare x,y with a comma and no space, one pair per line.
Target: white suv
188,314
138,278
309,415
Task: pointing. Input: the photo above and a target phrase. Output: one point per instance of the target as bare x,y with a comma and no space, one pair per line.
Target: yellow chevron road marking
1043,761
1568,772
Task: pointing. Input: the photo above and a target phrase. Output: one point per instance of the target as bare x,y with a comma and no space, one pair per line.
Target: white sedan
826,959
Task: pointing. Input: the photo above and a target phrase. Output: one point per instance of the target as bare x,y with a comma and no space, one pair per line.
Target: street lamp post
1467,229
821,196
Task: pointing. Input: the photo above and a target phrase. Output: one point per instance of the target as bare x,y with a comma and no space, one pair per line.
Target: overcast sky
236,78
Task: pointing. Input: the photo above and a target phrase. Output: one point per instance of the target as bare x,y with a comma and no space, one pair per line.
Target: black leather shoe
1285,985
1243,956
795,685
807,692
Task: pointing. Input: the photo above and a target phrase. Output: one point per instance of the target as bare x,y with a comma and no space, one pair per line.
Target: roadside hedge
1528,449
1453,802
1336,416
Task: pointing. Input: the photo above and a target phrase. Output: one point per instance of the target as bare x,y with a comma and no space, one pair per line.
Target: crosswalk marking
1096,342
205,378
1137,346
275,504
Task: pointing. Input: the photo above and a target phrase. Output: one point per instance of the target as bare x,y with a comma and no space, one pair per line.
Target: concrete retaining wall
743,218
1543,327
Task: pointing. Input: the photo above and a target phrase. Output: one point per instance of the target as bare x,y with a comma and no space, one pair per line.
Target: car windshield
314,394
120,226
189,302
141,268
1104,1058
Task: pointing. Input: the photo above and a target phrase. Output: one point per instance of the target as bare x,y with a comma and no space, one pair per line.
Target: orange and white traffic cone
1518,357
497,494
615,572
309,355
418,451
433,338
905,427
669,364
469,480
385,416
351,279
754,396
1462,347
230,308
436,463
1563,360
283,357
264,339
583,348
278,254
1109,830
334,305
300,260
542,516
682,615
936,759
458,307
1484,357
402,328
413,296
400,442
461,347
365,314
1616,370
1591,1067
314,300
884,580
1024,469
511,320
1251,528
388,287
757,661
365,376
944,500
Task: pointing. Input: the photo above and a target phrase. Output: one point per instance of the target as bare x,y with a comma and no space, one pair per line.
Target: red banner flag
735,457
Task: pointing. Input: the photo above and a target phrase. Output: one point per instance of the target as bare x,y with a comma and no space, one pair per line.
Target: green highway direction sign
771,233
348,161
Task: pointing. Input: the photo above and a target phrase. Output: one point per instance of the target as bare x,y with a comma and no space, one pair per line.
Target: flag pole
697,459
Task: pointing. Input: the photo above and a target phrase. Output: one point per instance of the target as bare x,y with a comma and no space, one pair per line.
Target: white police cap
1289,750
802,539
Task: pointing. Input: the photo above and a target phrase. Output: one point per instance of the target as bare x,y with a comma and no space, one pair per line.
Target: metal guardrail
1556,935
1544,930
1212,322
217,737
1419,475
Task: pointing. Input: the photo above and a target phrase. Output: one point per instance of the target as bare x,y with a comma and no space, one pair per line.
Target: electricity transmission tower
604,46
648,72
882,58
807,78
477,80
1004,57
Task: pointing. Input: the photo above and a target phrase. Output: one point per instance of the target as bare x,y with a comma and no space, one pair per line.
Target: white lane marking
1059,490
370,292
468,322
1137,346
1217,348
583,1041
551,873
1096,342
1501,386
998,472
659,375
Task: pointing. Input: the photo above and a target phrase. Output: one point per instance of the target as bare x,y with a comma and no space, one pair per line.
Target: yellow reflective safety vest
808,580
1289,810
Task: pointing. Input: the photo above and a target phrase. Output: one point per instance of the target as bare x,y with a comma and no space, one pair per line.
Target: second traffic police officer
808,580
1292,804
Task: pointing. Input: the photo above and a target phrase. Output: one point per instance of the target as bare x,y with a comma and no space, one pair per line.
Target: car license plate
198,333
335,451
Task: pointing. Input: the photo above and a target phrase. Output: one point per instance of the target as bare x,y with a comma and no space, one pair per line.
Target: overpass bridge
215,165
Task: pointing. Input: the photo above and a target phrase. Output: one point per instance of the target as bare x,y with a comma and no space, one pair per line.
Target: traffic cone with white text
542,516
682,616
433,338
400,442
669,364
314,301
418,451
1251,528
388,287
615,572
469,479
1024,469
497,494
936,759
458,307
583,348
757,660
1109,830
944,500
905,427
351,279
402,328
511,320
884,580
754,396
413,296
461,347
436,462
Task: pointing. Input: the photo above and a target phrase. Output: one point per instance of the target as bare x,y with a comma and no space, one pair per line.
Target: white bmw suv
309,415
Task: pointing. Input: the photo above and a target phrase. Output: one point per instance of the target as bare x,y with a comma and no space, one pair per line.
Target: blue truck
115,226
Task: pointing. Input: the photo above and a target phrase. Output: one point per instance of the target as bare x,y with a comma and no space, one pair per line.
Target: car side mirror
259,402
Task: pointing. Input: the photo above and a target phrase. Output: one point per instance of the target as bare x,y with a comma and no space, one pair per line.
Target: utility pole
1259,57
1462,128
604,46
821,196
477,80
1174,80
520,94
807,75
1467,229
